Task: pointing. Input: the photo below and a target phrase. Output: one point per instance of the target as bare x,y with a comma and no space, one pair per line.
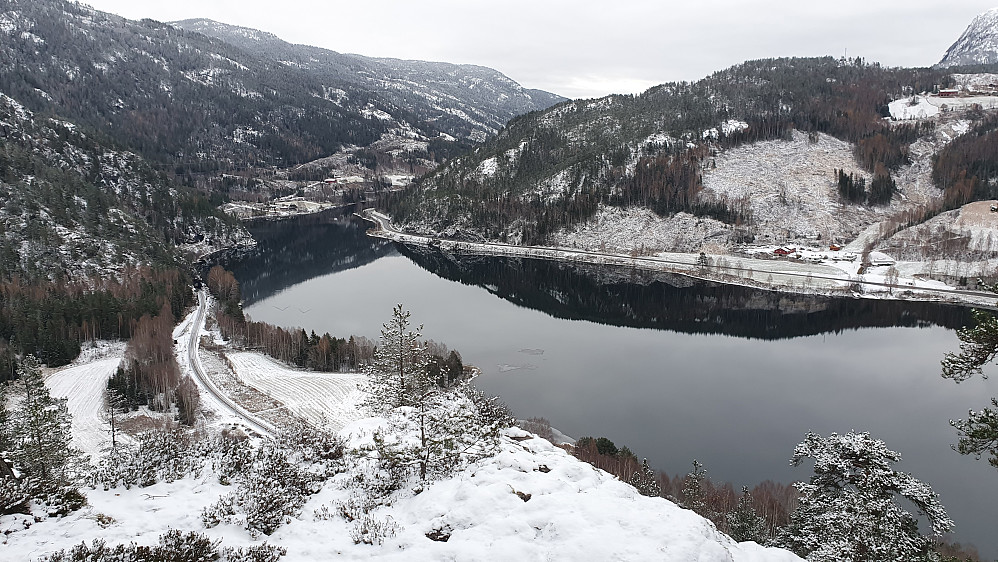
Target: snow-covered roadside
187,335
82,383
573,512
779,275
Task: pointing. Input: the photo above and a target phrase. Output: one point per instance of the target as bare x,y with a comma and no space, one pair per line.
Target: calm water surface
674,370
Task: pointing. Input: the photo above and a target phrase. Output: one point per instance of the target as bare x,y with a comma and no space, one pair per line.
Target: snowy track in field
83,387
329,399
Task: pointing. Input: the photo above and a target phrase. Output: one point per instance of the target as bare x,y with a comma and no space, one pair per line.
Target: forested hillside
465,101
198,104
91,239
548,170
76,208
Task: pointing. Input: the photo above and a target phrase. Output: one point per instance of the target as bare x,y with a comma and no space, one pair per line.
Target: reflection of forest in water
643,299
293,251
296,250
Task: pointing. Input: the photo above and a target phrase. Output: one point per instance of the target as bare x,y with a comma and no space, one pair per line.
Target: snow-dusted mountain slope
76,206
668,149
977,45
463,100
199,103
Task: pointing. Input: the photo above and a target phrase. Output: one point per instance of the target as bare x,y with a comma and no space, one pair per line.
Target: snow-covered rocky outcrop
530,501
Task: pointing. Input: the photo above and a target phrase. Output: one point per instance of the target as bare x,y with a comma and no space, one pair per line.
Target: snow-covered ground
574,512
82,383
327,399
530,500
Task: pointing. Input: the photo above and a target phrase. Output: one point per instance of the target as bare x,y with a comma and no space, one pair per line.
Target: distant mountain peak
977,45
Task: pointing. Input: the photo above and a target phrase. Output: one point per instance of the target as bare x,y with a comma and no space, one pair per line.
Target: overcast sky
589,48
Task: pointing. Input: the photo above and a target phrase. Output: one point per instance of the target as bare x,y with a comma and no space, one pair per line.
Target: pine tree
744,523
645,481
41,432
398,372
848,510
978,347
431,428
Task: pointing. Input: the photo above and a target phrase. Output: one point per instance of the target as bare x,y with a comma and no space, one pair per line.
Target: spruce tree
645,481
744,523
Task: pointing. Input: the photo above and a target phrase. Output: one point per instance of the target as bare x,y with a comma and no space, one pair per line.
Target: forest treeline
764,513
968,166
150,375
307,350
51,320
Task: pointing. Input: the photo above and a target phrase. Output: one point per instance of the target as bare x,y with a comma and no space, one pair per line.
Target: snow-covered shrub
13,498
231,454
434,438
158,456
174,546
63,501
219,512
373,531
269,494
319,450
259,553
354,508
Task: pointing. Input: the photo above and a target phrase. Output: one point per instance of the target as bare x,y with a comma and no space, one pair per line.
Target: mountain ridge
977,45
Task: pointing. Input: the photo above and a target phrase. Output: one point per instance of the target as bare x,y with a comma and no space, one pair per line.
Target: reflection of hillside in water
665,301
292,251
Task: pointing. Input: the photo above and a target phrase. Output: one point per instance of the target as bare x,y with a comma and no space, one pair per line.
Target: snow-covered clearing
328,399
623,230
83,384
574,512
915,107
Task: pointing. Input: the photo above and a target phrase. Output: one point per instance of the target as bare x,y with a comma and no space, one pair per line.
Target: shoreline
766,274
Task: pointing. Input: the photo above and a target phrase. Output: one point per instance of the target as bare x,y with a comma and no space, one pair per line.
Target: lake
675,369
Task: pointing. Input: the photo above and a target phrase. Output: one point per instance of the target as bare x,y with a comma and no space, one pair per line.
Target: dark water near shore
672,368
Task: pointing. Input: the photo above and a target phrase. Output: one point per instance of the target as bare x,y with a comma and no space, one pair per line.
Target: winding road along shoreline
204,381
774,275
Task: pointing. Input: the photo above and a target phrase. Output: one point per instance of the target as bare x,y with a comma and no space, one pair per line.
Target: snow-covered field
82,383
574,512
915,107
328,399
